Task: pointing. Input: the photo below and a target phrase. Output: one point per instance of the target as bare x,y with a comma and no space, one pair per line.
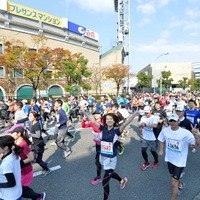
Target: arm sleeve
10,181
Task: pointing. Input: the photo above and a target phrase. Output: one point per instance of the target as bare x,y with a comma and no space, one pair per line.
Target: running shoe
66,154
145,166
155,165
180,188
53,144
73,138
42,196
122,185
96,181
194,150
121,151
46,173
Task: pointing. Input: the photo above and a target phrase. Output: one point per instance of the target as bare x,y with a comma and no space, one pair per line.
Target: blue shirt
192,115
110,136
61,118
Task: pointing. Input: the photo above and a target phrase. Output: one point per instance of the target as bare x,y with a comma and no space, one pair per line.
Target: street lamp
153,71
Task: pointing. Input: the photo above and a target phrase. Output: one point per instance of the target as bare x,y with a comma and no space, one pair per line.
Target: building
178,71
21,22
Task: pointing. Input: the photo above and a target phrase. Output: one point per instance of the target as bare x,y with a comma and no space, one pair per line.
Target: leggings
145,155
27,192
41,162
107,176
97,163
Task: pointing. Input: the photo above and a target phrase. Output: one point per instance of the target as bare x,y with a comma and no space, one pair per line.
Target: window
48,74
18,73
1,72
1,48
32,49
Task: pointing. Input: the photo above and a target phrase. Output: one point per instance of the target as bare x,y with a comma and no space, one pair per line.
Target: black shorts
174,170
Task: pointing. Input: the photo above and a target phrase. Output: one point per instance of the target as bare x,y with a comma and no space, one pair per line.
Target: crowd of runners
168,123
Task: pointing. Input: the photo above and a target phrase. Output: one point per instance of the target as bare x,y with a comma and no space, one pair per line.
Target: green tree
165,81
144,80
183,83
194,84
74,70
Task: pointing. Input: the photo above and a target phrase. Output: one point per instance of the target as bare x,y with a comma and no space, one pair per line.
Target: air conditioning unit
40,32
6,24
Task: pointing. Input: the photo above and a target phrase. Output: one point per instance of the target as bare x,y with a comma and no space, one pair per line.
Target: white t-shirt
20,114
124,112
11,164
148,133
176,145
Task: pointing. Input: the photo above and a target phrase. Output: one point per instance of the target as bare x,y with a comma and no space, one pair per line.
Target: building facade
18,22
178,71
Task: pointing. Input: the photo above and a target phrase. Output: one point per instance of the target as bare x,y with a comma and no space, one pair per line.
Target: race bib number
107,148
174,145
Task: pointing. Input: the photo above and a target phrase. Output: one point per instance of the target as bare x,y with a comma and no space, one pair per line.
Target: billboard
81,30
37,15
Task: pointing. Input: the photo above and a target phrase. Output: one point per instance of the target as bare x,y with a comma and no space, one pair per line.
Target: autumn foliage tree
117,73
35,66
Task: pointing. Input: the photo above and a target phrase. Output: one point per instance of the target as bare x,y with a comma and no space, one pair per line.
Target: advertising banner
37,15
81,30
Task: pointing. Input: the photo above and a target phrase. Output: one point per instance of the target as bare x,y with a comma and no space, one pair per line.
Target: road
72,180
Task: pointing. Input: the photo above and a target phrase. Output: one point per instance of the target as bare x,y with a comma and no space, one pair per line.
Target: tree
144,80
183,83
31,65
117,73
96,78
73,69
194,84
165,81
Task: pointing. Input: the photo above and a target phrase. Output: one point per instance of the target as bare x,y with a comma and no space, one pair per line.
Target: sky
157,27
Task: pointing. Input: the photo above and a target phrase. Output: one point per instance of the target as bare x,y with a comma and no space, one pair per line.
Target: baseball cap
24,101
16,128
109,105
147,109
174,117
180,108
96,112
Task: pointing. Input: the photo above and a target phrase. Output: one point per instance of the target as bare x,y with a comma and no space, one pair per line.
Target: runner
108,156
176,149
22,139
62,139
10,171
38,142
147,123
97,139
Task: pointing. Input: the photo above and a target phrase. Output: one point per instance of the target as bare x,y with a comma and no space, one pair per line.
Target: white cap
180,108
174,117
147,109
24,101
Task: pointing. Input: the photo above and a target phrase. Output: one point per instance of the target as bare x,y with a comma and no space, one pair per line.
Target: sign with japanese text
81,30
33,14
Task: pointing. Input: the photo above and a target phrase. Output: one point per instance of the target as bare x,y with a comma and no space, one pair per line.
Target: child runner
10,171
22,139
108,156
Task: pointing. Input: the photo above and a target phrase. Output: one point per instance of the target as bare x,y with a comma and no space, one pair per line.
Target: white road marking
52,169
